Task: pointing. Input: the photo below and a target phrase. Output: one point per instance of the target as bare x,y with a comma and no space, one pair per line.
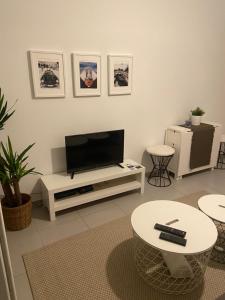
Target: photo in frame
87,74
48,74
120,68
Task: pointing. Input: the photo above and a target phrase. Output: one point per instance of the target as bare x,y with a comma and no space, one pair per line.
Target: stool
161,156
221,155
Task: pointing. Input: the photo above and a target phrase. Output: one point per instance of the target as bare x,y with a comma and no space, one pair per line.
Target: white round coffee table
153,255
214,207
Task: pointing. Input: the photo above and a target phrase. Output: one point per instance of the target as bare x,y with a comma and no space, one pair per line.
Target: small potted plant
16,206
196,116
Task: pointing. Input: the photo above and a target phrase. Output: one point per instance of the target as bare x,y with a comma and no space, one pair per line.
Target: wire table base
153,269
221,156
218,252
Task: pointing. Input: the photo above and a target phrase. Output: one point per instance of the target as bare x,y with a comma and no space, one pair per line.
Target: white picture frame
48,74
86,74
120,73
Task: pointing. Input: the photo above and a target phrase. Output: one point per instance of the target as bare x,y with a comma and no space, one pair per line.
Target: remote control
173,221
121,166
169,229
173,238
221,205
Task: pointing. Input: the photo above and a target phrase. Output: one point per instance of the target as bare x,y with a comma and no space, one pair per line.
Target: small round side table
150,250
214,207
221,155
160,156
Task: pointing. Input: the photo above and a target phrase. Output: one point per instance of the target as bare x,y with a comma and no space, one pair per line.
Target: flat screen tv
94,150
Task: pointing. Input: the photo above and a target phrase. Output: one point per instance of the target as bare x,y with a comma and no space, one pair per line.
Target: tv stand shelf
106,182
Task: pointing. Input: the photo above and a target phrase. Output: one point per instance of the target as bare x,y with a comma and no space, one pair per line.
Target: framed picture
48,74
87,74
120,69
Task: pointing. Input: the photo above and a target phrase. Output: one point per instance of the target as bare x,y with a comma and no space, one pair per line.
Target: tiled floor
42,231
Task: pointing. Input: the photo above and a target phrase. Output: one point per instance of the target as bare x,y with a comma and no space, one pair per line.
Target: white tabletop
201,231
59,181
210,205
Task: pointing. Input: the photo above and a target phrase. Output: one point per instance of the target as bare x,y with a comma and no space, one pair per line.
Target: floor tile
128,202
42,221
17,264
24,240
162,193
95,207
103,216
23,287
55,233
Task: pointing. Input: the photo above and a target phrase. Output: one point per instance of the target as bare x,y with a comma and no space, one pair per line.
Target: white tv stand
106,182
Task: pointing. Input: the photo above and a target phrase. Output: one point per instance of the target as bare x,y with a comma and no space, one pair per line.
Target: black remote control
173,238
169,229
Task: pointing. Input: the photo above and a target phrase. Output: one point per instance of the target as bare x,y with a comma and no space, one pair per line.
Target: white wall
179,63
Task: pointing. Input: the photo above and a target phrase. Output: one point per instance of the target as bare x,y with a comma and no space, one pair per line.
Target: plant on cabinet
196,116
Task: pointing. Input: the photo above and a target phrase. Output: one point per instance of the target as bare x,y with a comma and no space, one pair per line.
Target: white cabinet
181,138
106,182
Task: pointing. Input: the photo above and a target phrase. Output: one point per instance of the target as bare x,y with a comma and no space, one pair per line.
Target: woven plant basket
17,218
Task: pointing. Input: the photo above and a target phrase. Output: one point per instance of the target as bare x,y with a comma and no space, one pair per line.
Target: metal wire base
221,156
218,252
152,268
159,175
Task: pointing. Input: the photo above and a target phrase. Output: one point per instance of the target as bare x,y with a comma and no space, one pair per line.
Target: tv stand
105,182
72,175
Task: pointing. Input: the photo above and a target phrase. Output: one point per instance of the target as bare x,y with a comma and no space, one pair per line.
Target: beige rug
98,264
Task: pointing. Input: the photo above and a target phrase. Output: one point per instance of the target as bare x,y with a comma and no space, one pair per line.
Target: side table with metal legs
160,156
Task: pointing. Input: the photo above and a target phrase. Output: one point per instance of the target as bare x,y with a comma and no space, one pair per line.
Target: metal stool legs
159,175
221,156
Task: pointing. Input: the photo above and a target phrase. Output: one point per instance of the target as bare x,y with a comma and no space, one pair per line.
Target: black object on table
171,230
173,238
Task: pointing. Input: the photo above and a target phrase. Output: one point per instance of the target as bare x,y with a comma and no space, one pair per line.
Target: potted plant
16,206
196,116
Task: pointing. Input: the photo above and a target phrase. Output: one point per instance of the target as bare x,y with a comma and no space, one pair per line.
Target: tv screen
93,150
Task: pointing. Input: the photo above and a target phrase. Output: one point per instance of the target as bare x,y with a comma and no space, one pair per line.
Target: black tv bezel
97,165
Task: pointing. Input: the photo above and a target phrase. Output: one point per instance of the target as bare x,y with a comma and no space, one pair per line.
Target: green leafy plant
197,112
4,113
13,167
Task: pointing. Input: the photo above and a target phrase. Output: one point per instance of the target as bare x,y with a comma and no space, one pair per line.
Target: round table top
201,232
213,206
160,150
